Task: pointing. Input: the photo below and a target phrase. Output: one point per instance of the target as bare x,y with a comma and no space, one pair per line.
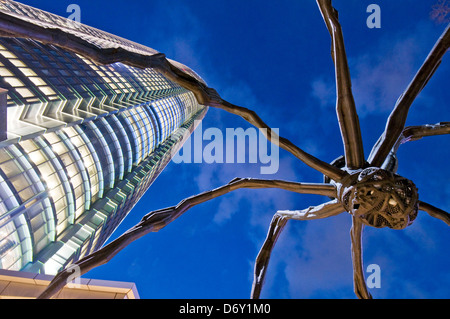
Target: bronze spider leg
277,224
156,220
414,133
359,283
350,130
435,212
345,104
397,118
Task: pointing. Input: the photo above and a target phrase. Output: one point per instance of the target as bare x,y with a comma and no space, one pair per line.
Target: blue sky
274,58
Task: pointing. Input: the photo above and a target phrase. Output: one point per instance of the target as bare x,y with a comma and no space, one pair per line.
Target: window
37,80
8,54
5,72
27,71
14,82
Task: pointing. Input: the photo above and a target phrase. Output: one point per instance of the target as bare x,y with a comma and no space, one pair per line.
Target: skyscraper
80,142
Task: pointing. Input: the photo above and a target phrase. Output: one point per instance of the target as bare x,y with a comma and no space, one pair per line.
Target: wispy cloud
379,75
179,34
313,257
262,206
379,81
324,91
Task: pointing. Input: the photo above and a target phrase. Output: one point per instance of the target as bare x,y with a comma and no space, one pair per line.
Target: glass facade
84,143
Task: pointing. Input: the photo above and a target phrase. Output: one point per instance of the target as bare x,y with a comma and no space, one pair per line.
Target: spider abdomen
381,198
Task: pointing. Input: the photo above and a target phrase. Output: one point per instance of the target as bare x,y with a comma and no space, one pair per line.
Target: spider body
380,198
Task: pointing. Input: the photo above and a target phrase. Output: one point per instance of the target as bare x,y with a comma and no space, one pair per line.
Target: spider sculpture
368,189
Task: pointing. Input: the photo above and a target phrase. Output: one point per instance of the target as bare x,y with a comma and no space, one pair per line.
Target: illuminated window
46,170
27,71
95,171
17,63
37,81
37,157
47,90
8,55
10,253
14,82
5,72
25,93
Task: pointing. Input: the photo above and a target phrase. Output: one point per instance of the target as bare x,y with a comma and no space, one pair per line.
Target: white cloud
324,91
179,34
313,257
262,205
240,92
378,82
380,75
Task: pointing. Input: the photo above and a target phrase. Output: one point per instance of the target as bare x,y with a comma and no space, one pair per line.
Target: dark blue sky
274,58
